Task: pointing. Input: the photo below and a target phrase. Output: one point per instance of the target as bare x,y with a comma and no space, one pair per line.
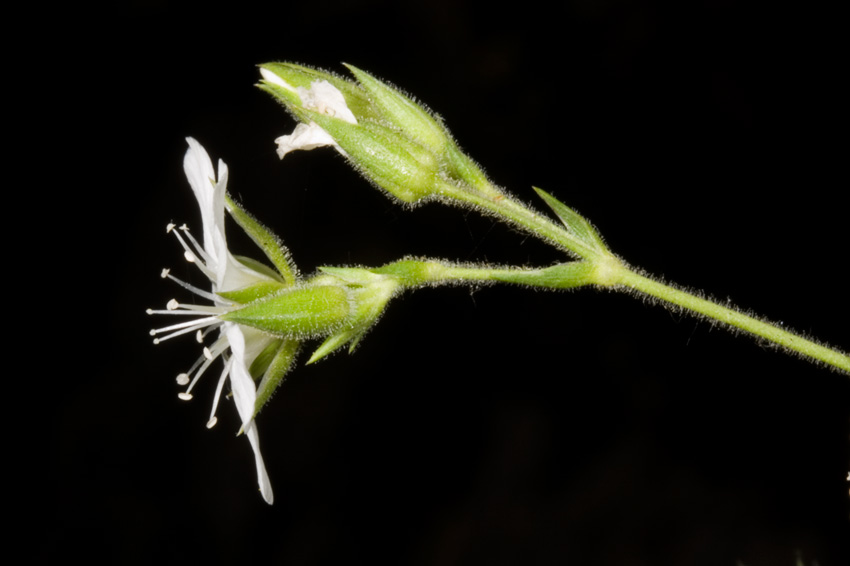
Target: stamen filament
219,387
190,255
191,310
200,292
217,348
200,251
188,326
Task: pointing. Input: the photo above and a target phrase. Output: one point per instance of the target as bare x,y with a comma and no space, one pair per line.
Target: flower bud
393,140
398,165
409,117
283,81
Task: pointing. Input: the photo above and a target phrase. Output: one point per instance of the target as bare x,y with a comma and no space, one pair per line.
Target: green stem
607,272
631,280
520,215
604,269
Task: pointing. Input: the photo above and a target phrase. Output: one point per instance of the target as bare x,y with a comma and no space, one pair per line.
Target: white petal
304,137
262,477
245,396
275,80
325,98
201,175
229,273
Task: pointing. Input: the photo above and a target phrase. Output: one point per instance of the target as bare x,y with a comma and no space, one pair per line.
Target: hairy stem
630,280
520,215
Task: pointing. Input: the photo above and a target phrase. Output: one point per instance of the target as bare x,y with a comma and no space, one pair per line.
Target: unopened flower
394,141
238,345
321,97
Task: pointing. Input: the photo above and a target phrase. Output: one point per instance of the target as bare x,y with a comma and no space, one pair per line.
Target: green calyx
371,293
396,143
403,113
396,164
299,312
298,76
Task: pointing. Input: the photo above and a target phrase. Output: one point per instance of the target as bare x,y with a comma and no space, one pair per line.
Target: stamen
184,327
218,347
191,255
219,387
199,249
175,308
203,334
200,292
192,369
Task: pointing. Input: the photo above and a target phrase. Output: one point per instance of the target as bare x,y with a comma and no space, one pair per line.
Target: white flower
321,97
237,345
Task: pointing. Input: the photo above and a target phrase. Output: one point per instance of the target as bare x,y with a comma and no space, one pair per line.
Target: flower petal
201,175
325,98
230,274
304,137
245,396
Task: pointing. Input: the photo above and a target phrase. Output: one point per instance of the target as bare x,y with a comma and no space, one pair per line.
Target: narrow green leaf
574,221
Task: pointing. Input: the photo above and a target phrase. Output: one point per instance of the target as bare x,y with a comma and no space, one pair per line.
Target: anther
172,305
165,273
183,379
170,227
207,354
185,396
211,422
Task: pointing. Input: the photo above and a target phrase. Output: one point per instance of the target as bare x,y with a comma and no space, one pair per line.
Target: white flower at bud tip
322,97
325,98
304,137
272,78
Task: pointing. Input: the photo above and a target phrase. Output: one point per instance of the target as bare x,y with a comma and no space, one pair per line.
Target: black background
494,426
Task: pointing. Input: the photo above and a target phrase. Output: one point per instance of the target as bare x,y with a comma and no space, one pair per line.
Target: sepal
402,167
400,111
253,292
267,241
300,312
277,368
371,293
282,81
